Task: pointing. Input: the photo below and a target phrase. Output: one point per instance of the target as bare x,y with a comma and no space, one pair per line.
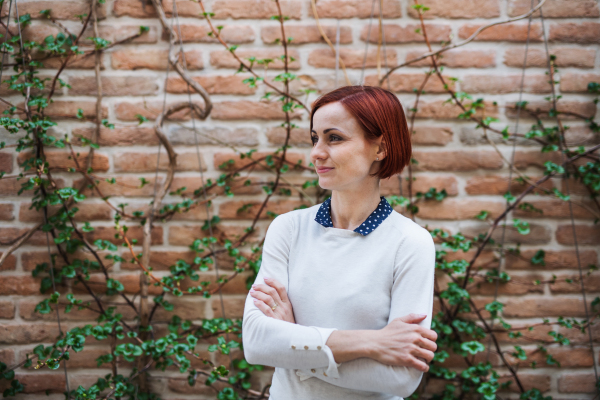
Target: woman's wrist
347,345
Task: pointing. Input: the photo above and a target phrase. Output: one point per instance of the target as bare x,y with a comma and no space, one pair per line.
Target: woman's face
339,143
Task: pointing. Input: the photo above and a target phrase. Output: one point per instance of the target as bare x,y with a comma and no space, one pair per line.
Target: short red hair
379,113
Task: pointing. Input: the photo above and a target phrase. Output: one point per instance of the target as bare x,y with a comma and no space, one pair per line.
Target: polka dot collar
373,221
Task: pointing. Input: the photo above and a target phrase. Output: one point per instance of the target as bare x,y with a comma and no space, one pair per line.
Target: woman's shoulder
407,229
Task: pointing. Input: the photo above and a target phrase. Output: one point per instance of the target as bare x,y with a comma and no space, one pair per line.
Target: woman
342,304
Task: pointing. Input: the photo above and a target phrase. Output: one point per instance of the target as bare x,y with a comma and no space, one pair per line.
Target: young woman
342,304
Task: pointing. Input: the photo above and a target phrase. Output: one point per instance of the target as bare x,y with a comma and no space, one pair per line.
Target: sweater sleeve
276,343
412,292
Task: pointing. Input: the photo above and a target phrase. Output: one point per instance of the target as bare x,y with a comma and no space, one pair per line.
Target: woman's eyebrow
329,129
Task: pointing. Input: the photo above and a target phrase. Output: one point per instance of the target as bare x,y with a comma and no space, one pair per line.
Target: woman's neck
349,210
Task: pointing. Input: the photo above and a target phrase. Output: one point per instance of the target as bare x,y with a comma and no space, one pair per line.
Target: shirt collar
382,211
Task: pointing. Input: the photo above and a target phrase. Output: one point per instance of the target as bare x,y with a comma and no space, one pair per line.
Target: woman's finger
428,333
427,344
264,308
418,364
424,354
265,298
278,287
268,290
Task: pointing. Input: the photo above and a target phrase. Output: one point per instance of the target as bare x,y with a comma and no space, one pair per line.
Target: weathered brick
41,383
432,135
199,33
134,8
220,158
505,84
352,58
133,232
572,284
565,259
229,209
356,8
458,9
68,109
67,9
246,109
298,136
572,82
126,136
423,183
255,9
543,307
456,160
577,382
6,163
456,209
539,234
302,34
406,33
28,333
7,311
63,160
220,84
22,285
155,59
557,209
146,162
408,83
585,234
586,109
511,32
498,185
114,86
575,32
242,136
234,307
456,58
79,61
87,211
225,59
127,186
440,109
565,57
557,8
128,111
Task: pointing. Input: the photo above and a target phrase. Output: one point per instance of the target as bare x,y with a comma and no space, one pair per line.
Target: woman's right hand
403,342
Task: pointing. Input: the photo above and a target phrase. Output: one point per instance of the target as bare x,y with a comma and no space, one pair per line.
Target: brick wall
452,154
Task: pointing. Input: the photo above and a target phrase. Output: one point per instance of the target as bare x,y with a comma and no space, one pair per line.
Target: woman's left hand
273,294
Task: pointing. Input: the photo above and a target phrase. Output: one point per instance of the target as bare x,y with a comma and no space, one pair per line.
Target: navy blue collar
373,221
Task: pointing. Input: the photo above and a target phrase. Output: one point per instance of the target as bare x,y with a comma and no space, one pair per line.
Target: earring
377,158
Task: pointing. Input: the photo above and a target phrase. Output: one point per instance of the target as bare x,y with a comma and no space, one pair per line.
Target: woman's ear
381,153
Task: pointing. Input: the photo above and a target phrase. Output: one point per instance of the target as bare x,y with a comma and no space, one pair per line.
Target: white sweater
338,279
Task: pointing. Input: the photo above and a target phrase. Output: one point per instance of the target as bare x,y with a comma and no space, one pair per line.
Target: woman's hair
379,113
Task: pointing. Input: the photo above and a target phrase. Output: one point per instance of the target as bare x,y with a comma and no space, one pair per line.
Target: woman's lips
321,170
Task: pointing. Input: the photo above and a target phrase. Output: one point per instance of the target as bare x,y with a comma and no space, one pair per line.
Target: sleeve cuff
317,342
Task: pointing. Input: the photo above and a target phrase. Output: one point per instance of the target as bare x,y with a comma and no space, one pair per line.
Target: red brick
229,209
572,283
194,309
432,135
352,58
179,385
28,313
62,160
535,158
298,136
302,34
240,136
117,33
577,382
127,111
80,61
21,285
234,307
222,84
134,8
231,34
557,8
28,333
408,83
422,183
255,9
407,33
11,187
159,260
126,136
539,234
134,232
587,109
498,185
585,235
557,209
114,86
9,264
505,84
566,259
238,162
155,59
456,58
6,164
520,285
458,9
571,82
543,307
66,9
456,160
575,32
440,109
565,57
127,186
511,32
249,110
40,383
457,209
356,9
7,311
86,212
225,59
183,235
528,380
146,162
68,109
